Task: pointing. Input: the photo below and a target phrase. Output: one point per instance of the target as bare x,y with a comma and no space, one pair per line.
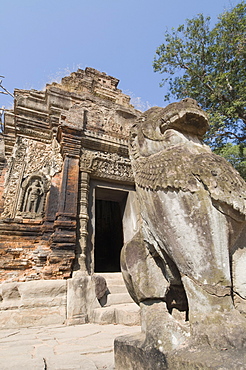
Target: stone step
114,289
124,314
110,275
113,278
103,316
128,314
120,298
117,306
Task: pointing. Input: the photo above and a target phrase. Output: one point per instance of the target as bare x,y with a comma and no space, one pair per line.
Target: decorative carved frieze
44,157
106,120
106,165
14,175
95,115
31,168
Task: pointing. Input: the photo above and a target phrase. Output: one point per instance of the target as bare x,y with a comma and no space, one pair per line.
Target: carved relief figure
33,196
192,237
30,159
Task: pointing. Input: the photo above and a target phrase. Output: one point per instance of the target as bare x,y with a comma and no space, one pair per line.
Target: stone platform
87,347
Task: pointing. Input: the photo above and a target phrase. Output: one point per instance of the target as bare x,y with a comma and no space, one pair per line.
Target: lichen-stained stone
193,207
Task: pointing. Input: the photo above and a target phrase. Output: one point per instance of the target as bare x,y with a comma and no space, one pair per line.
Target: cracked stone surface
87,347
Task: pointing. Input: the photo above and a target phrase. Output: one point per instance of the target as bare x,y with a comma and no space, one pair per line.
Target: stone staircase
117,307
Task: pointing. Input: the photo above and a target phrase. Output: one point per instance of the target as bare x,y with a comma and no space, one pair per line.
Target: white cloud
138,102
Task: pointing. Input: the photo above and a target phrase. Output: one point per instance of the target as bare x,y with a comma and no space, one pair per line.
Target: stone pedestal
132,353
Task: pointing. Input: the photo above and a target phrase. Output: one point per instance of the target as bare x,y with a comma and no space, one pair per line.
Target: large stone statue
186,266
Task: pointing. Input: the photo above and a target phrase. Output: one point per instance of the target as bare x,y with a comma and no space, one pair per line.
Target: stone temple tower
67,193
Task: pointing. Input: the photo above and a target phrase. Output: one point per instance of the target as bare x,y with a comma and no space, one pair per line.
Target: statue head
153,127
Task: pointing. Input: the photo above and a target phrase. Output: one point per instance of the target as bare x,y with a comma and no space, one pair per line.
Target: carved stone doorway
109,210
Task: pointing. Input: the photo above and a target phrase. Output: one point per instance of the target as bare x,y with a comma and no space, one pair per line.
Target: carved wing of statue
179,168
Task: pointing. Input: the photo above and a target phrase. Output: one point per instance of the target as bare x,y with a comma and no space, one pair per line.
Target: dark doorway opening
108,230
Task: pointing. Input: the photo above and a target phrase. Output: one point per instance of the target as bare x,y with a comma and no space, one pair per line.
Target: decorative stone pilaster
63,240
83,221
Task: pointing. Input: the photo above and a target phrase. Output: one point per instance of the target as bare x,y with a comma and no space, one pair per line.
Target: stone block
41,302
36,316
81,299
128,314
47,293
104,315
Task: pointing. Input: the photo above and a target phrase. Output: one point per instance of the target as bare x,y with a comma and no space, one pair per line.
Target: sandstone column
83,220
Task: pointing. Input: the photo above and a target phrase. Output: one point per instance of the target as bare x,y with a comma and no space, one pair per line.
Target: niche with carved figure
32,199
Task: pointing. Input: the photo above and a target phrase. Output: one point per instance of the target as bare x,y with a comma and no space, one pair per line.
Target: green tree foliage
236,155
209,65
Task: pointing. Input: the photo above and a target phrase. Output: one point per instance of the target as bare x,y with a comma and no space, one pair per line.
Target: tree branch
6,91
221,97
231,135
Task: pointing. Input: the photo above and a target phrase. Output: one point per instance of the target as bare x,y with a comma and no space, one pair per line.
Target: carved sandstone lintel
106,165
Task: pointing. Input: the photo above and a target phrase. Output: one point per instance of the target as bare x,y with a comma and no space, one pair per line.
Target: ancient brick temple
66,183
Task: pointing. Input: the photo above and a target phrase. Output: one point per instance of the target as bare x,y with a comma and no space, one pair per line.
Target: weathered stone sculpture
184,267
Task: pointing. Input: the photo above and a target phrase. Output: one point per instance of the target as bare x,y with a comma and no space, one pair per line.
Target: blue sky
44,40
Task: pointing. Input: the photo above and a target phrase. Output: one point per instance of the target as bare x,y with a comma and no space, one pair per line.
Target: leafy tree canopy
209,65
236,155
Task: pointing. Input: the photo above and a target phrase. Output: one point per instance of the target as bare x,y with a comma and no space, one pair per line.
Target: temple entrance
109,209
